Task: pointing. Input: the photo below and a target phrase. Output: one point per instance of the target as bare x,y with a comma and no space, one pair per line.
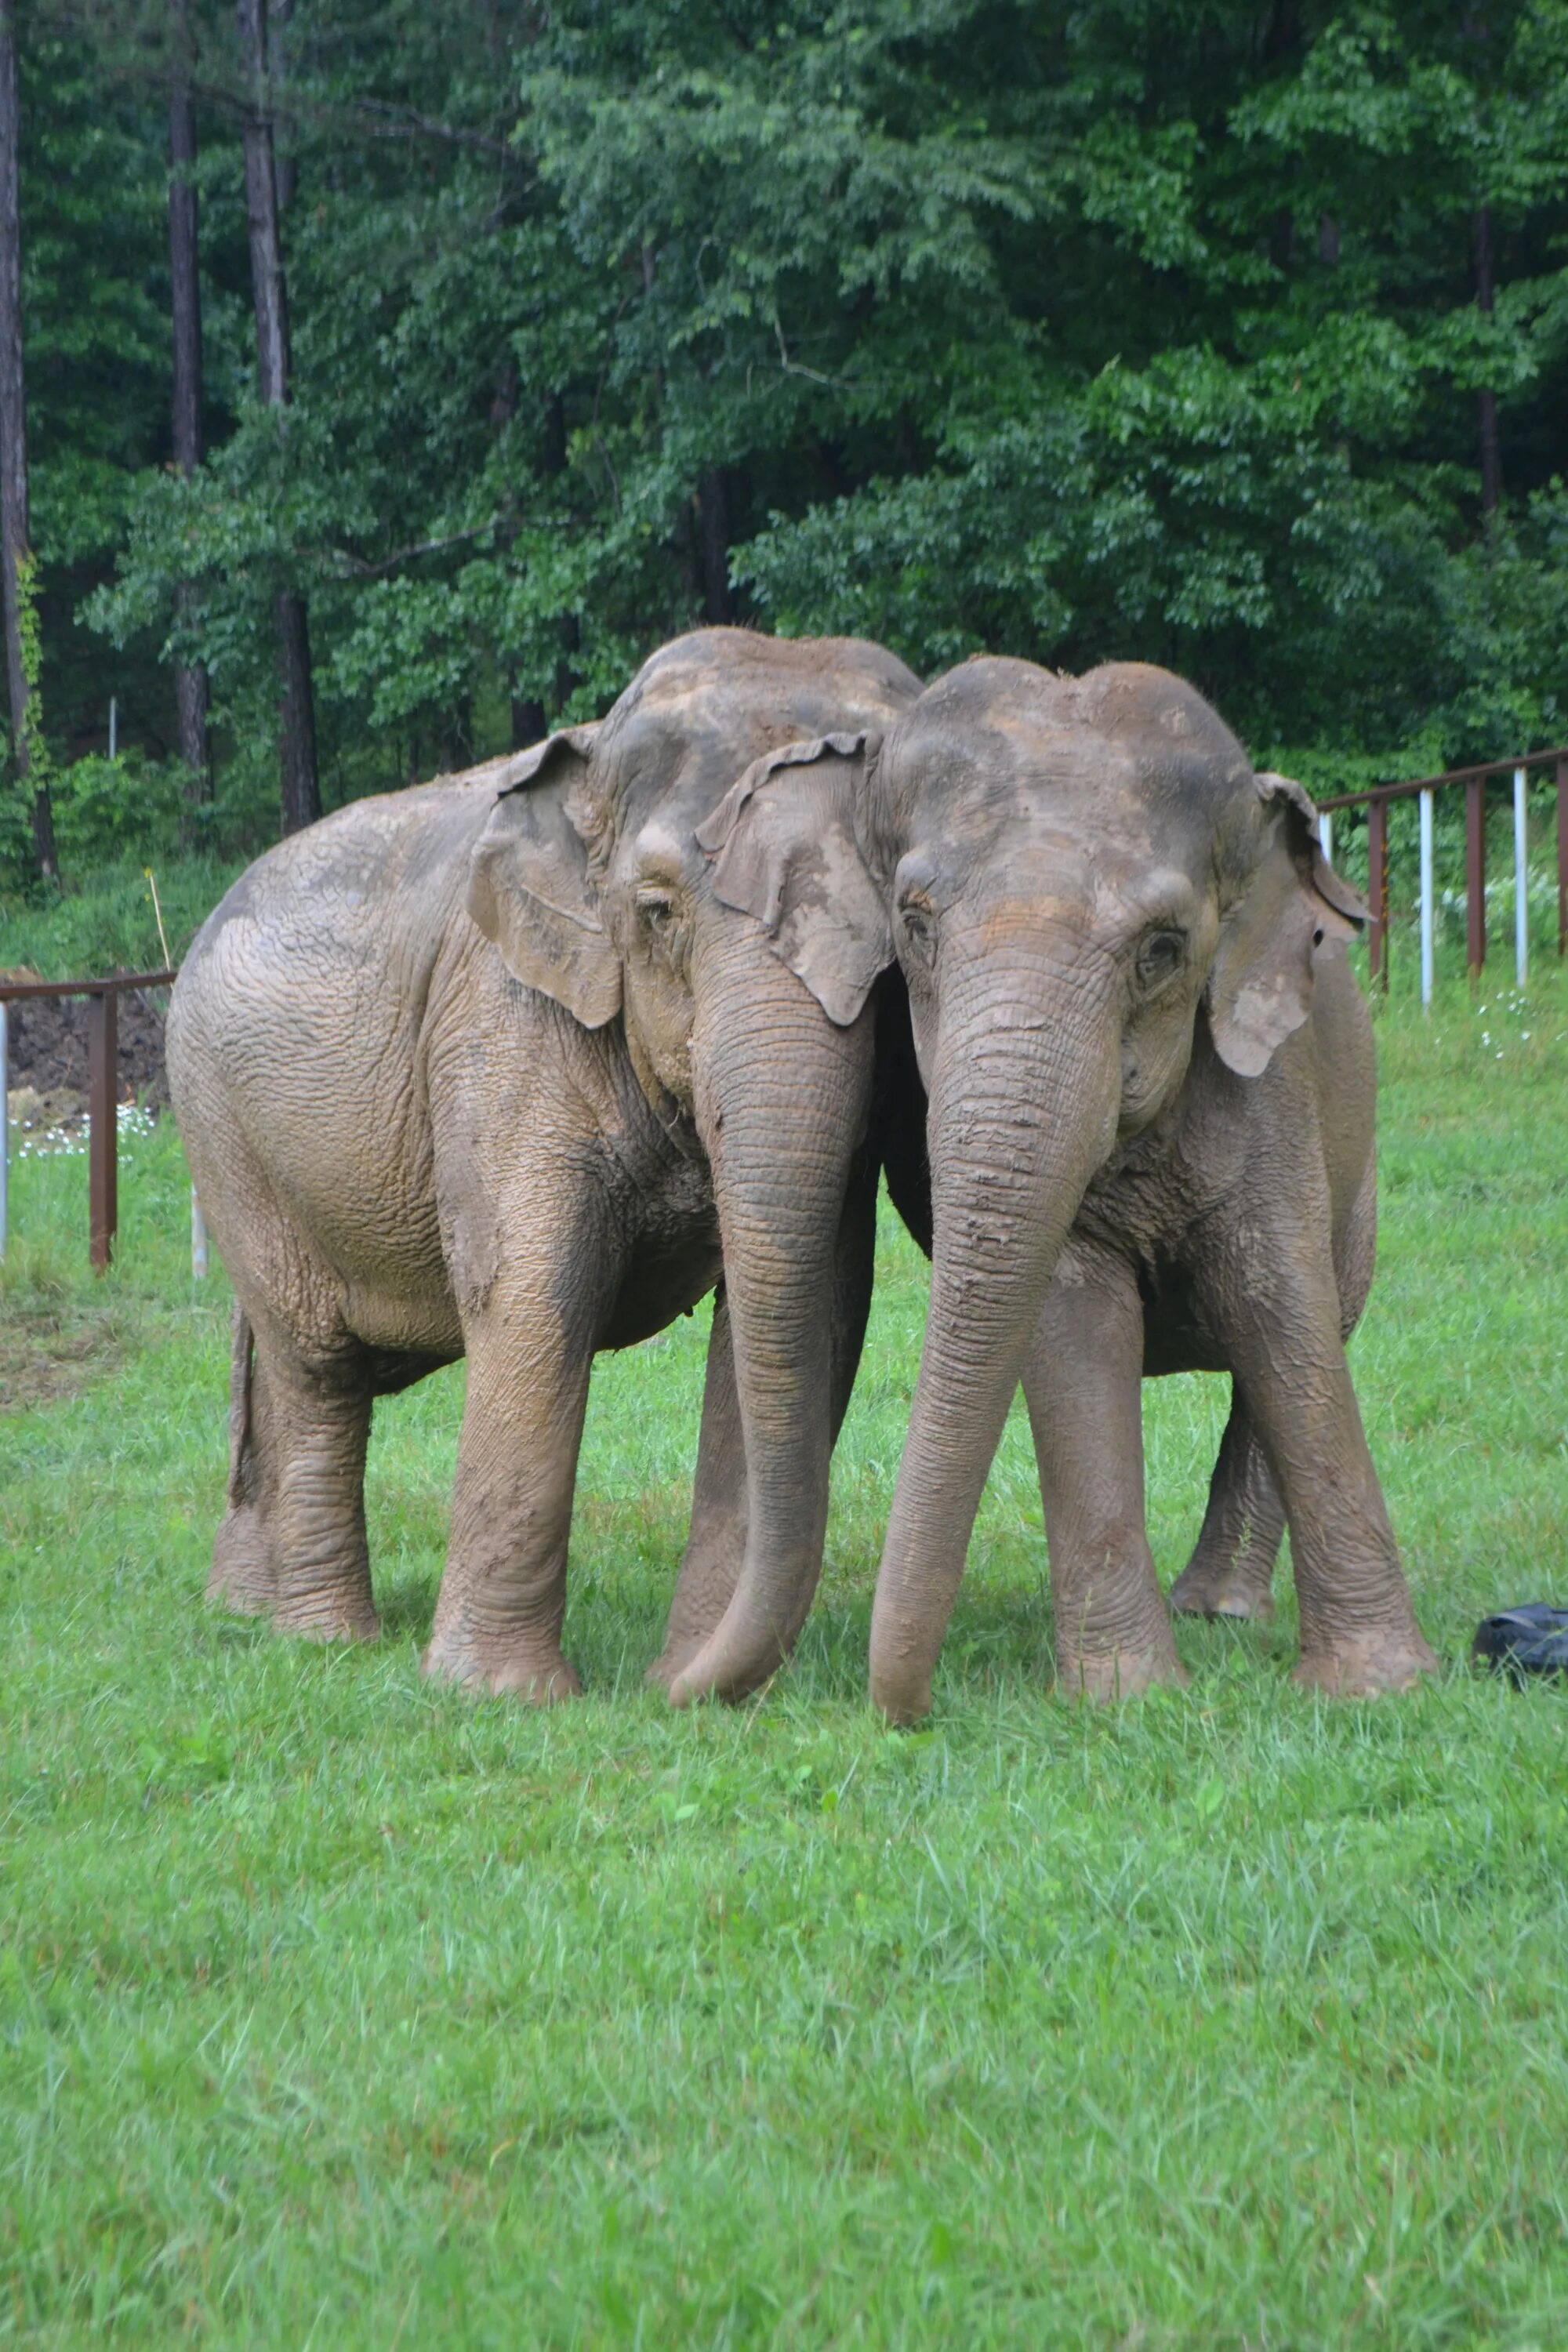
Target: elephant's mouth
675,1119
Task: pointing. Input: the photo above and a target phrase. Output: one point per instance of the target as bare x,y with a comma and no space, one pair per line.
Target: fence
102,1096
1475,782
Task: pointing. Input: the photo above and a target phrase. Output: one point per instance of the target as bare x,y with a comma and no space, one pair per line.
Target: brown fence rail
1475,782
103,1095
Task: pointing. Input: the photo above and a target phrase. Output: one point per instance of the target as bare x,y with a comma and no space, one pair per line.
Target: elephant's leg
1083,1385
1231,1571
717,1543
503,1597
1273,1301
244,1560
316,1422
292,1543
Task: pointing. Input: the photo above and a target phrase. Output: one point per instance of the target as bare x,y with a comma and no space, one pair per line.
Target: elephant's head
1077,874
593,880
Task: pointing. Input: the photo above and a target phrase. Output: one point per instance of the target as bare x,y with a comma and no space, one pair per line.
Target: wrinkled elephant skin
486,1069
1114,935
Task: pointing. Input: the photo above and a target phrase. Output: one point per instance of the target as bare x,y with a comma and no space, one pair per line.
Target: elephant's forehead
1126,723
677,753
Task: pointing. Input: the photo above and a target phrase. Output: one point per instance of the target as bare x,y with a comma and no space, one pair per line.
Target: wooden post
1563,857
1476,874
1377,887
103,1139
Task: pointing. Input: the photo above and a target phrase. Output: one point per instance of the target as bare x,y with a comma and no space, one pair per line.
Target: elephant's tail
241,1383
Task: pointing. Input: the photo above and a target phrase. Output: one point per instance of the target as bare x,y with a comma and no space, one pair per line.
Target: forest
381,383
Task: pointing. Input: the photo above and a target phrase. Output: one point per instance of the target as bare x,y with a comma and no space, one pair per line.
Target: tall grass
337,2008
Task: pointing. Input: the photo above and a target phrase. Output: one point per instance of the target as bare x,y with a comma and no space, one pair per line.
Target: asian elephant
1150,1140
484,1069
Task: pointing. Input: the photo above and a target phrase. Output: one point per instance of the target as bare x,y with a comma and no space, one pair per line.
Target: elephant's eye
919,920
1160,958
655,909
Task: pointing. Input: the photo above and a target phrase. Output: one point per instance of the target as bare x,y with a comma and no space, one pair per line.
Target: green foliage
108,924
30,737
106,809
1115,331
335,2001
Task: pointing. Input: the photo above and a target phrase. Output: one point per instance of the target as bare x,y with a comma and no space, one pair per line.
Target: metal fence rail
102,1096
1425,788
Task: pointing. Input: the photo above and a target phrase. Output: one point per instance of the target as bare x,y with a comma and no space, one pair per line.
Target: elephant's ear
785,851
531,888
1296,912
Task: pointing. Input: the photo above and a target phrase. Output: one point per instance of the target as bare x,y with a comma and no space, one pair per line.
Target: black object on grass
1519,1642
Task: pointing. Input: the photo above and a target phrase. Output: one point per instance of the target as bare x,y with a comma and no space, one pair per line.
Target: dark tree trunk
1485,399
529,720
297,745
14,550
1328,240
301,791
714,544
285,171
190,682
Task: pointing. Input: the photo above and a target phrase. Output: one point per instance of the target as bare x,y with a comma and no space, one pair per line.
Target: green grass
107,922
338,2009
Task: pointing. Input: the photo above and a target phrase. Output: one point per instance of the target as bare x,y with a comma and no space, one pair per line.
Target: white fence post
1326,835
199,1240
4,1129
1520,879
1426,898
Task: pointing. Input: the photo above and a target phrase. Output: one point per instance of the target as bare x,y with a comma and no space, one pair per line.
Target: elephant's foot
672,1661
244,1572
534,1672
1368,1665
1108,1675
1236,1586
901,1700
329,1616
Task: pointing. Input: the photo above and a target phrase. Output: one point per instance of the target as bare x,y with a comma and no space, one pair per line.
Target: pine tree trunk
14,437
302,792
190,682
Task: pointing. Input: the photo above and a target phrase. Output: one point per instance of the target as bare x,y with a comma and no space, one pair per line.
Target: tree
300,787
16,555
1116,329
185,279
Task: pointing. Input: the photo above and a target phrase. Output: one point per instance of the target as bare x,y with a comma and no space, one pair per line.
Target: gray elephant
486,1069
1114,936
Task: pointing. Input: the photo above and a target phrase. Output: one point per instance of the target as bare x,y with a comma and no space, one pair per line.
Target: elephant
484,1068
1149,1089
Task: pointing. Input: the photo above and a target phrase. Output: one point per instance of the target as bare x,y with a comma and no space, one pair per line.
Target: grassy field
337,2010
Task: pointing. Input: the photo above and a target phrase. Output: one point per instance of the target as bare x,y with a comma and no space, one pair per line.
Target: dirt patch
44,1360
48,1047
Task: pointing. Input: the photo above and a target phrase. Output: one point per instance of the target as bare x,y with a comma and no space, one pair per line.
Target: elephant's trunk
1023,1111
783,1099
